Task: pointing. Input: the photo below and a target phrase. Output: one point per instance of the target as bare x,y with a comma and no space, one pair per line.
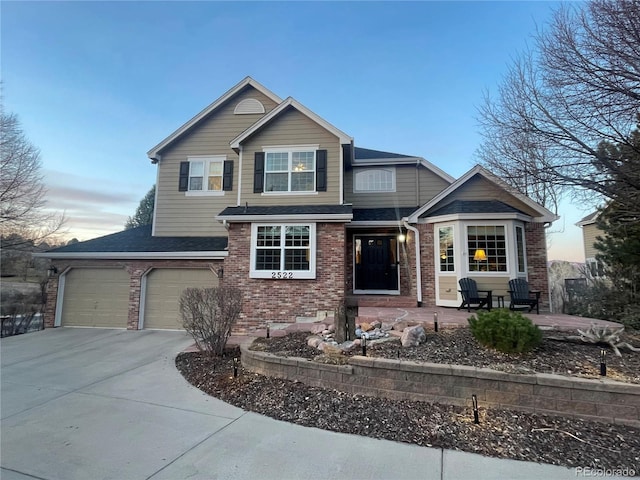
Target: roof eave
340,217
197,255
290,101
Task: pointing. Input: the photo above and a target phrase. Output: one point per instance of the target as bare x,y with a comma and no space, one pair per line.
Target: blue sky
97,84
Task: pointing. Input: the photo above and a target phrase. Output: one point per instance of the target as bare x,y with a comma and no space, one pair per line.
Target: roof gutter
418,267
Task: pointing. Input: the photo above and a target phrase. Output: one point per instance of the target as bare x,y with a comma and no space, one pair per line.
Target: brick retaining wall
601,400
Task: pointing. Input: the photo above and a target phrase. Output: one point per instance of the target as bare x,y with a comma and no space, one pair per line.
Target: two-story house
262,194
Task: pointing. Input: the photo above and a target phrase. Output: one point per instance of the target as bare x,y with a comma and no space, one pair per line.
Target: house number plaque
281,275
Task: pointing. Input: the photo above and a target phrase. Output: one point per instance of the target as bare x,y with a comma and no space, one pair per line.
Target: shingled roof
286,210
140,240
381,214
473,206
368,154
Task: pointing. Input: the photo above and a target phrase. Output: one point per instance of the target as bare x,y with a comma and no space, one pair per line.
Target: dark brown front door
376,266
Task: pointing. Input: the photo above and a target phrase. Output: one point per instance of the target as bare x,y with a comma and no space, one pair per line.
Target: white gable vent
249,105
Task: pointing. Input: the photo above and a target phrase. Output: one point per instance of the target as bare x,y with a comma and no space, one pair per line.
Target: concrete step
389,301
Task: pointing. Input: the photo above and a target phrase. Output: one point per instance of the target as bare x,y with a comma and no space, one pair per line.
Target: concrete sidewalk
109,404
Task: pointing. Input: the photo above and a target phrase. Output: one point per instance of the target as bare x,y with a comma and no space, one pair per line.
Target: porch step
389,301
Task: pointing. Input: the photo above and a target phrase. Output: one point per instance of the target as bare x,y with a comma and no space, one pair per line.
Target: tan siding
414,187
497,285
589,234
448,288
479,188
96,297
178,214
292,128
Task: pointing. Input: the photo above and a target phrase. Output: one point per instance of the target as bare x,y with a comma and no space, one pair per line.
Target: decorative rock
329,349
402,324
318,327
348,345
358,332
314,341
325,332
357,342
386,327
413,336
365,327
331,328
376,324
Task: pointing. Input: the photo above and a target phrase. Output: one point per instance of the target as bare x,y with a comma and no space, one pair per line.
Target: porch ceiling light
402,237
480,255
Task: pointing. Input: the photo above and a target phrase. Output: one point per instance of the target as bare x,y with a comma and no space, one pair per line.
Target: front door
376,263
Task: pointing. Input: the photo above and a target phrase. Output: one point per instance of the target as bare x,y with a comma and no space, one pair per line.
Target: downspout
418,268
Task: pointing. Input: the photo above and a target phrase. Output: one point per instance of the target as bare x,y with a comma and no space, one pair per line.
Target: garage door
164,287
96,297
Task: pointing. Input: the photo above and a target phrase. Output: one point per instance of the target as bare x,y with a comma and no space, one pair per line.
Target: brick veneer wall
135,268
284,300
601,400
538,274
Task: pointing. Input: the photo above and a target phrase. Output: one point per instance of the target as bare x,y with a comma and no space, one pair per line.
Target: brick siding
538,274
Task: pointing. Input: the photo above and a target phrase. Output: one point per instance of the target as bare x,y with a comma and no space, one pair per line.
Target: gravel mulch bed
458,346
501,433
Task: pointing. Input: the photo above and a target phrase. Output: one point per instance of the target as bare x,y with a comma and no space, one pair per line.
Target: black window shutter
321,170
258,173
183,182
227,176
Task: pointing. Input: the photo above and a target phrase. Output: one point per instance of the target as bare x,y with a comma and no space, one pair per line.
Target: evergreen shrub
505,331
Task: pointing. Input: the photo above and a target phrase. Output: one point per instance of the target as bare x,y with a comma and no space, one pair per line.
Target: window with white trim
520,253
283,251
447,255
290,171
487,247
205,174
374,180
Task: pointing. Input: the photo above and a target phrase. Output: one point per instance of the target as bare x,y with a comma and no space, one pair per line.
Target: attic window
249,106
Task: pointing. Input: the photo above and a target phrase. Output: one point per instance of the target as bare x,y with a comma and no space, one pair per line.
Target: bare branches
558,104
22,192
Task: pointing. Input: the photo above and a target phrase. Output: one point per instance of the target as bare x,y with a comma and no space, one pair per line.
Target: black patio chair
472,296
521,295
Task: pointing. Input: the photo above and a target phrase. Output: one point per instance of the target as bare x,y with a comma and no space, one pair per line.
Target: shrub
208,315
505,331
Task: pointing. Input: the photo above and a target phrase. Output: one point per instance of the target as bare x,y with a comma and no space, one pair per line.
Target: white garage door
96,297
164,287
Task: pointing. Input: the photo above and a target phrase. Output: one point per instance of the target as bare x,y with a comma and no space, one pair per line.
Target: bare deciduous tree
22,192
578,88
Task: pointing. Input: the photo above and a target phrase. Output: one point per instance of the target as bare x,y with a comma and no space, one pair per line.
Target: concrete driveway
80,403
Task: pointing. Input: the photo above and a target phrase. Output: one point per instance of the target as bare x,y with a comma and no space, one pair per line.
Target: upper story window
290,171
206,175
374,180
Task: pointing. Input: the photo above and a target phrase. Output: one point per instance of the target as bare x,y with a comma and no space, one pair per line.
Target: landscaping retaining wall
601,400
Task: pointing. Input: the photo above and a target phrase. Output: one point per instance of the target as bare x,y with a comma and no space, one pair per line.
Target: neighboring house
590,231
264,195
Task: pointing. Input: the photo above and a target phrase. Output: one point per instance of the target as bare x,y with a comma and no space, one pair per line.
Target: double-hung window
290,171
206,175
283,251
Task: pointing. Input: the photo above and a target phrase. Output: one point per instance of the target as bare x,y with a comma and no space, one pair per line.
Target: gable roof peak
154,153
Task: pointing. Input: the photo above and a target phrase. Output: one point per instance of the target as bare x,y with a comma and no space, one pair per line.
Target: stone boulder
330,349
413,336
314,341
318,327
401,325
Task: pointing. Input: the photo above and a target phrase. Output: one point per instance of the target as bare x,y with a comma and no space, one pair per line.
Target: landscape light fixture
435,321
603,362
51,271
363,342
268,330
474,402
235,367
